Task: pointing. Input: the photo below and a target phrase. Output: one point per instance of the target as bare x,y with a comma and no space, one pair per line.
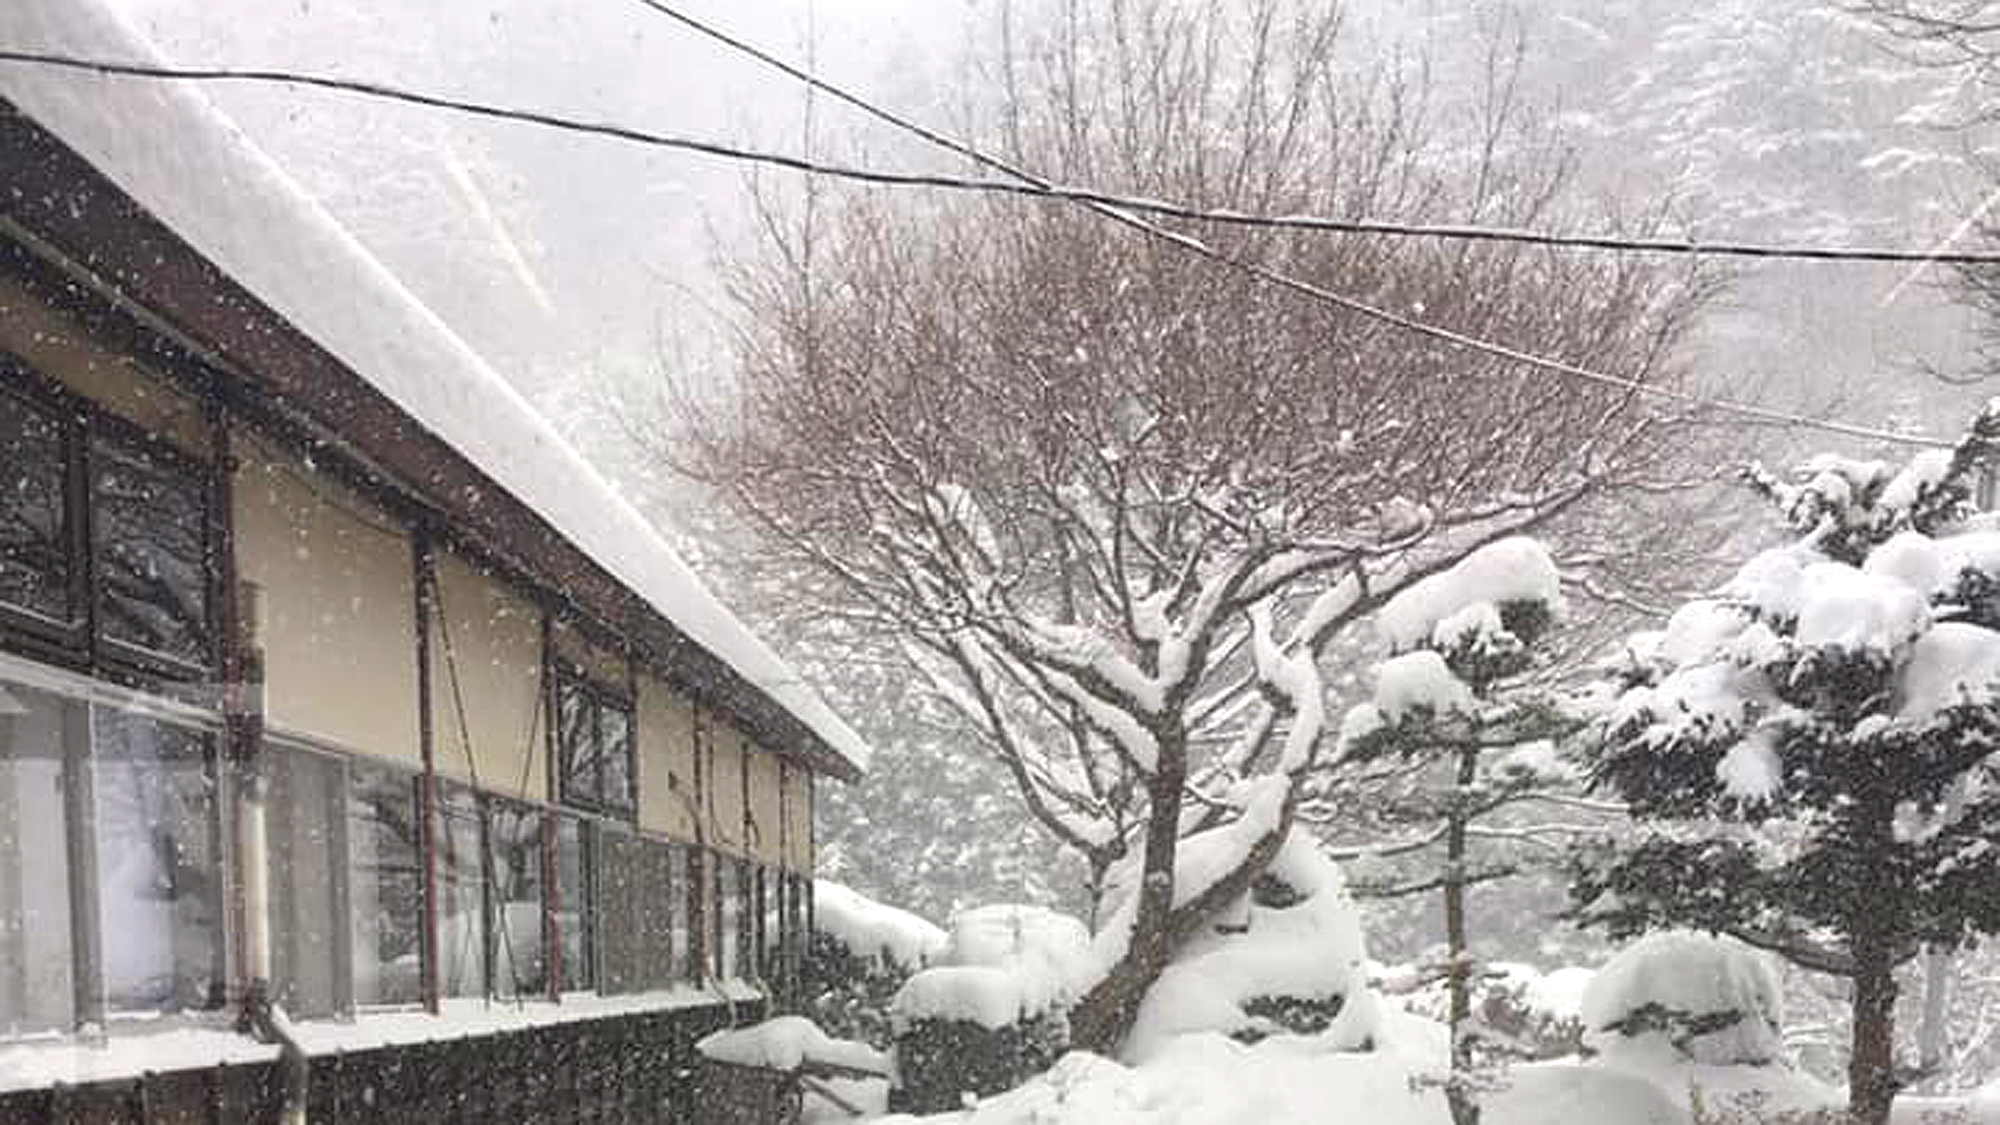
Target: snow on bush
1419,682
790,1043
1713,1000
869,929
1288,958
1439,609
1000,964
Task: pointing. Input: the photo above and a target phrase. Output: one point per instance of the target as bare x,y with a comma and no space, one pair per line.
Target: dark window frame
597,698
81,643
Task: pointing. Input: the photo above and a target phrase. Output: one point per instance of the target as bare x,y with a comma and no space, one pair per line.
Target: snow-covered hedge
1288,958
866,928
1713,1000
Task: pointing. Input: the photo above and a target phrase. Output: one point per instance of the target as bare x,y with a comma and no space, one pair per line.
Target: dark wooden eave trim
267,368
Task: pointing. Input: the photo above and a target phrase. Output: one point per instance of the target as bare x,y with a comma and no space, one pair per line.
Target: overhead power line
1027,188
1026,184
1299,286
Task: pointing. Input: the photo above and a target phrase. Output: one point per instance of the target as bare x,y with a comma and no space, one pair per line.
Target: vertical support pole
342,938
426,574
86,921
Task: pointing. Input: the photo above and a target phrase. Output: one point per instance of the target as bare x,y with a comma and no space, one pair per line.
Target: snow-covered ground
1210,1079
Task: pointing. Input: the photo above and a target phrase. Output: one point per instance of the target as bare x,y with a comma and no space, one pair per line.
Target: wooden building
359,747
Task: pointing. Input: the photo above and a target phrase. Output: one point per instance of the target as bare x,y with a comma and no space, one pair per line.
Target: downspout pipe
244,723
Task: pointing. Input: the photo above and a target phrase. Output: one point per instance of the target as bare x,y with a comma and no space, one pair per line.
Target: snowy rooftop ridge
178,155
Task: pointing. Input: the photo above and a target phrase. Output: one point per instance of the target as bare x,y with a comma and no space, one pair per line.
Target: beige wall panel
605,667
496,644
667,799
58,347
339,610
798,819
766,807
725,785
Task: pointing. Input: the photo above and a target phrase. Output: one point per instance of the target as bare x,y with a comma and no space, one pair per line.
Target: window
515,832
37,982
574,894
732,919
97,515
304,826
593,744
159,887
617,910
385,886
149,526
680,928
36,557
770,925
461,898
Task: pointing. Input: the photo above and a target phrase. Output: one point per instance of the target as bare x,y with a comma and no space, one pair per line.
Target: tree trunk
1871,1066
1458,1091
1872,1082
1105,1015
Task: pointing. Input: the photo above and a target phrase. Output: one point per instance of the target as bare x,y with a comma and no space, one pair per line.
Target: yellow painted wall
725,786
605,667
58,347
765,807
338,625
668,802
496,644
798,815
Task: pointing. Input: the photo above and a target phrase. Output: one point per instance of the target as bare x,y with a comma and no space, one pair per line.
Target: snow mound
1713,1000
868,929
790,1043
1848,608
1002,964
1952,664
1420,682
1516,569
1009,934
992,996
1288,957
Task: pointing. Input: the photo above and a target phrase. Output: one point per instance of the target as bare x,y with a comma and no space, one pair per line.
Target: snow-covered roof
176,154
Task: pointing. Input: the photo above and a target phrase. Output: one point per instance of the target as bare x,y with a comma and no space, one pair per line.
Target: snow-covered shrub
1713,1000
859,954
1288,958
993,1013
1520,1012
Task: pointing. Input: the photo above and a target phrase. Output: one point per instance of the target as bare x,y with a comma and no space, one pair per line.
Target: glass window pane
771,925
615,755
728,919
385,886
680,934
576,741
158,883
304,805
34,552
516,835
619,912
37,991
149,523
461,901
573,898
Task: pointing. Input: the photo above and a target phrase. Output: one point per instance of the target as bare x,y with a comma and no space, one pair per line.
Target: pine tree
1809,754
1456,701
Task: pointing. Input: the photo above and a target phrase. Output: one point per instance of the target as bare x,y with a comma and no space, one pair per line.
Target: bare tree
1114,504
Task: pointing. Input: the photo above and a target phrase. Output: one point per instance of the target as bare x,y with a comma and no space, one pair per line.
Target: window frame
90,1003
81,643
597,697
